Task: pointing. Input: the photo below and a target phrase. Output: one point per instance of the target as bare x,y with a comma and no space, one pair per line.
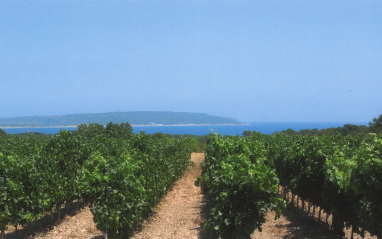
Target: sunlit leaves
242,187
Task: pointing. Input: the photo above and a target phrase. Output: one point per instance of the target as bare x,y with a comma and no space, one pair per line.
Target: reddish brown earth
180,214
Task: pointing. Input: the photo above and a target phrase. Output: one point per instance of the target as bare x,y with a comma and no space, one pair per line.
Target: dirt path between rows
180,214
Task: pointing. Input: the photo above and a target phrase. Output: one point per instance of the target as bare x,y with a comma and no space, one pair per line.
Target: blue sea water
265,128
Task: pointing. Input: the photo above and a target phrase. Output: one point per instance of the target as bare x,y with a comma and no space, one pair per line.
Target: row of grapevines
342,175
40,175
37,176
137,179
241,184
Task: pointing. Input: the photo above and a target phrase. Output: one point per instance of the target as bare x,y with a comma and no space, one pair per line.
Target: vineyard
340,175
122,176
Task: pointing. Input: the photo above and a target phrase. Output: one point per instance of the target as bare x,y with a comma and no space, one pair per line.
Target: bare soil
180,214
76,222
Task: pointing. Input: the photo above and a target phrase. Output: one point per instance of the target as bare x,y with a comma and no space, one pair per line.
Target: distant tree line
375,126
122,130
347,129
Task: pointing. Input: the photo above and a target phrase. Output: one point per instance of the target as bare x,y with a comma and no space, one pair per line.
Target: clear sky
256,61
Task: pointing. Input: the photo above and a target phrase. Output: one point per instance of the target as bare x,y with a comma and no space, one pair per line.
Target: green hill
133,117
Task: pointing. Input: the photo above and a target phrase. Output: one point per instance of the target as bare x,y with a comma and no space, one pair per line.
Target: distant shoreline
139,125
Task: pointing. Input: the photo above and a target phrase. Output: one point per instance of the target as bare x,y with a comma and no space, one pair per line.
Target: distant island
135,118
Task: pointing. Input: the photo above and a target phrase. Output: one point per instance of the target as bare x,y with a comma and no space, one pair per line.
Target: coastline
133,125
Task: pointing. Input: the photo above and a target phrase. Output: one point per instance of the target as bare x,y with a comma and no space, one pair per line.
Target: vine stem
303,205
285,189
352,232
292,200
287,194
298,199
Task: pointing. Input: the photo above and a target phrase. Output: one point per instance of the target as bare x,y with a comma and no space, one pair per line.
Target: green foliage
123,130
195,141
119,210
347,129
19,192
45,173
241,185
37,135
193,144
90,130
63,157
139,177
340,174
159,135
376,125
2,132
366,182
248,133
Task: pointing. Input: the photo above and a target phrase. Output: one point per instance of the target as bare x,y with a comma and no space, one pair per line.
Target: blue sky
256,61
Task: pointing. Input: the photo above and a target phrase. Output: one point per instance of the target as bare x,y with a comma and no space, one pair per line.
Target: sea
262,127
